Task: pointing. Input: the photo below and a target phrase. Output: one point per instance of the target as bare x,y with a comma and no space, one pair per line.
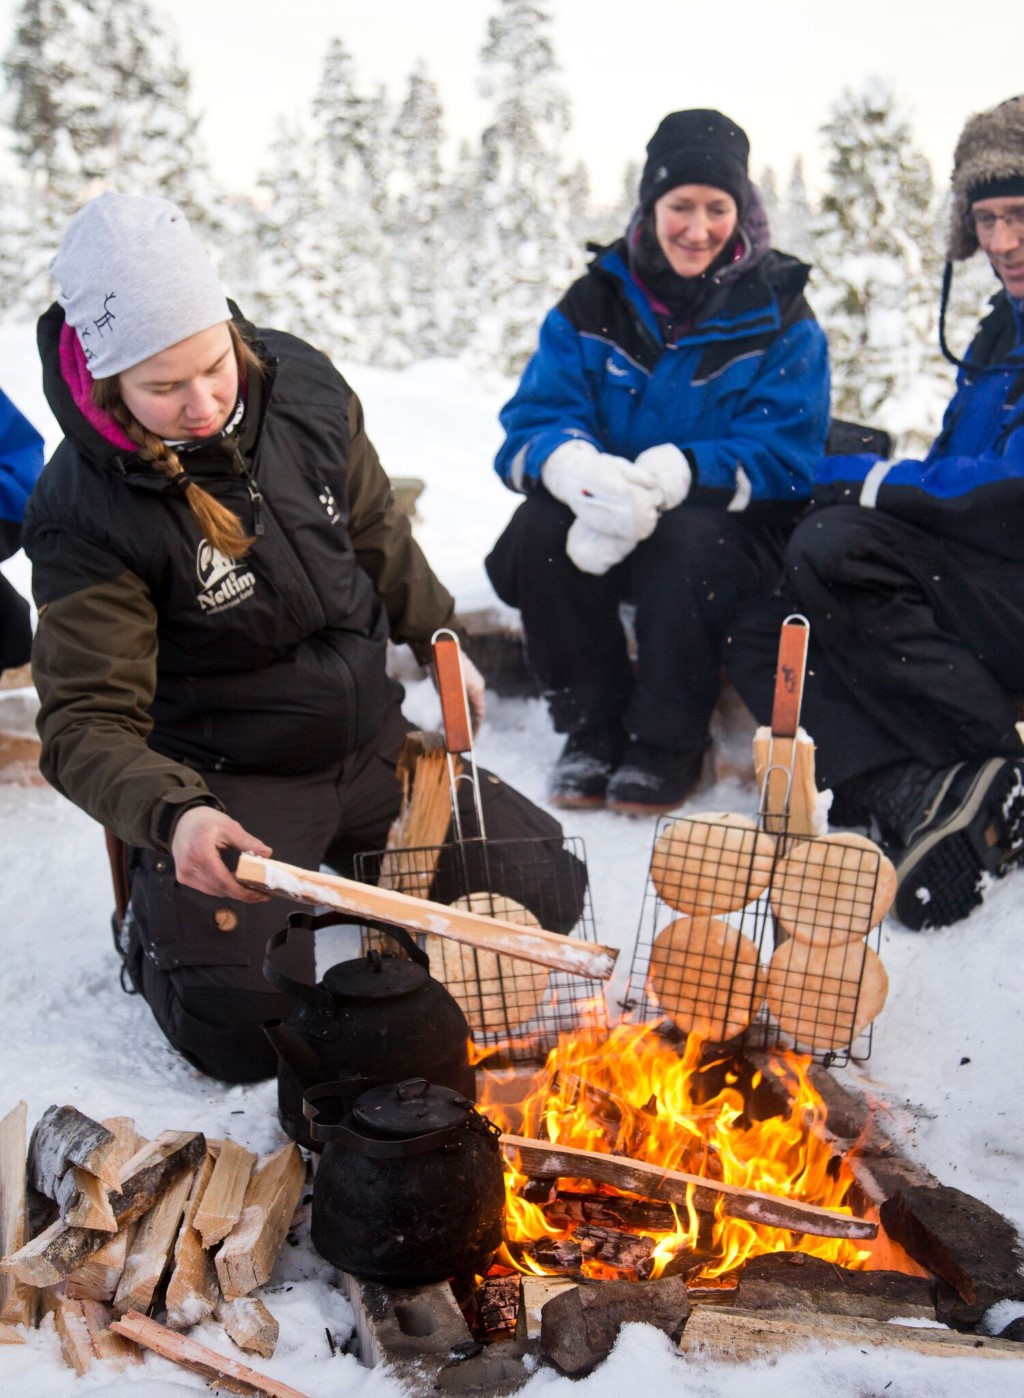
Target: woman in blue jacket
664,434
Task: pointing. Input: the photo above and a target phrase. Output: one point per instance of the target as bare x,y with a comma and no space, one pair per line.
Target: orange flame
628,1092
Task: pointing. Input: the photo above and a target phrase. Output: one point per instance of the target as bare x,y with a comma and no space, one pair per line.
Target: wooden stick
221,1205
218,1367
655,1182
248,1253
383,905
17,1301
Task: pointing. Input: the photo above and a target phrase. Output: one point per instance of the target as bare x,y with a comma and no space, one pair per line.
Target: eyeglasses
983,221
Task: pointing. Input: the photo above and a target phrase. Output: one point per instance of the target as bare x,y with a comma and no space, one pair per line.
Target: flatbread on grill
705,976
496,993
830,889
714,862
824,997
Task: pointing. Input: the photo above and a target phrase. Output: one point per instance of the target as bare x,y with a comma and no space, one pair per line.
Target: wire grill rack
760,939
516,1009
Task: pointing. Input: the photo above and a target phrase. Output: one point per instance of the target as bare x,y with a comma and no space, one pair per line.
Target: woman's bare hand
199,836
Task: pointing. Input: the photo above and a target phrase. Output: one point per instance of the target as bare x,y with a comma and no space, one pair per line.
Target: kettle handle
311,922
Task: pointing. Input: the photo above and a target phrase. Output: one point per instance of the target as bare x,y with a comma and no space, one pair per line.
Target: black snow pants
917,644
685,582
205,985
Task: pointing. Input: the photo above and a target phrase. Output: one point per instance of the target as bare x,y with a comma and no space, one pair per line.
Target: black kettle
379,1016
409,1188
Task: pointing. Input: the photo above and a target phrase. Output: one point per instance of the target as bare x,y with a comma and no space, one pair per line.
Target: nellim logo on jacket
224,584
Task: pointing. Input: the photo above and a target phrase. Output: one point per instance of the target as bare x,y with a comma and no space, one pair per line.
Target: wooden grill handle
458,731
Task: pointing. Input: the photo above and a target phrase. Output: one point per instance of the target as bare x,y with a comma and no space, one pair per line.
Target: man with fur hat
664,435
913,581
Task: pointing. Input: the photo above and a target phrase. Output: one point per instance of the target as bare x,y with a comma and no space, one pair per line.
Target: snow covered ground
947,1047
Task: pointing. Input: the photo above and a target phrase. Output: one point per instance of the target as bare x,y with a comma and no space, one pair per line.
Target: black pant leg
15,627
573,634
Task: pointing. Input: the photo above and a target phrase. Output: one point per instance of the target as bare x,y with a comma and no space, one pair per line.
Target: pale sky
775,66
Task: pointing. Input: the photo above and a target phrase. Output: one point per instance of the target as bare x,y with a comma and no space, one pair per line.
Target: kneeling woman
218,564
665,434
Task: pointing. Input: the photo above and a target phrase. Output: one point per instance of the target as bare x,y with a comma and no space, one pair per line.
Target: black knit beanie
988,164
696,147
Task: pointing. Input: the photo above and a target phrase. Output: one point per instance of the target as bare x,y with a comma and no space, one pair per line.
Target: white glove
594,552
595,487
665,470
475,692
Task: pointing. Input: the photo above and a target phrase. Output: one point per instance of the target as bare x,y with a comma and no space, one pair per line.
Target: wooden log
628,1252
247,1255
17,1301
200,1359
96,1277
534,1293
421,826
83,1328
791,1281
84,1201
570,954
154,1241
192,1290
250,1325
655,1182
747,1336
221,1204
64,1136
49,1258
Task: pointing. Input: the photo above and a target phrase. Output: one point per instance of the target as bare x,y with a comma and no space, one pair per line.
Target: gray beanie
134,280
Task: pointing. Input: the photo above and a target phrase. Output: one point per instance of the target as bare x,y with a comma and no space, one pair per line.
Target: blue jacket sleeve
550,405
21,460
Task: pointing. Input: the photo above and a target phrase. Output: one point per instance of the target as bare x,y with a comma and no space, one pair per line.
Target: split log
192,1291
788,765
221,1205
10,1336
749,1336
147,1260
247,1255
17,1301
655,1182
84,1201
49,1258
83,1328
249,1324
63,1137
421,826
570,954
534,1294
96,1277
224,1372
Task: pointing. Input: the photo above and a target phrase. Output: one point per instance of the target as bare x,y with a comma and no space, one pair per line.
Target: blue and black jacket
21,460
743,391
970,486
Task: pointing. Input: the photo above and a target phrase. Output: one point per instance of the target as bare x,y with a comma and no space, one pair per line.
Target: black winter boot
651,780
580,776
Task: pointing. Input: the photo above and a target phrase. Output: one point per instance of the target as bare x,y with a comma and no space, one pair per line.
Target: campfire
631,1096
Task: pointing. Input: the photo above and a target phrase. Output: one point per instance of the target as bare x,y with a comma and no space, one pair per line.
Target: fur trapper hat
988,162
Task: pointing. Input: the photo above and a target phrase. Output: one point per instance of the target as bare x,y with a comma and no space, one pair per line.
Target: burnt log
962,1240
611,1211
579,1327
797,1281
627,1252
556,1254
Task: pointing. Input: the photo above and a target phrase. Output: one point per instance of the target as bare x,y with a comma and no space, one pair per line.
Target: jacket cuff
169,812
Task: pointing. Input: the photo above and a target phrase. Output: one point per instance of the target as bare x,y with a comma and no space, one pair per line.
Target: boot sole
576,803
641,808
941,878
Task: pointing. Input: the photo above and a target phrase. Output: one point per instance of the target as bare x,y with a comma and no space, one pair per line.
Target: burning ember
629,1093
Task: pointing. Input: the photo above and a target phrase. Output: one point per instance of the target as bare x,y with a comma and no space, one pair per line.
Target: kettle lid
374,977
411,1108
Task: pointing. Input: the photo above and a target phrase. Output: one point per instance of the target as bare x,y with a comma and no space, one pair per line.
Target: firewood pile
105,1230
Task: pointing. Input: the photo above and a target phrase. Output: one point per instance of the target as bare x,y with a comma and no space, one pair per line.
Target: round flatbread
496,994
705,976
833,888
714,862
824,997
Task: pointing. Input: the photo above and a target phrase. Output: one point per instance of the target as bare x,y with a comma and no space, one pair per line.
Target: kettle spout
294,1053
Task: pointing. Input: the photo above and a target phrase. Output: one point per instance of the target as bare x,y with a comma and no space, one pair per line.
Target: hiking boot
970,828
651,780
580,776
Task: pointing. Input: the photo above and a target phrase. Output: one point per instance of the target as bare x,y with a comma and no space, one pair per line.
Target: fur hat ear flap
988,161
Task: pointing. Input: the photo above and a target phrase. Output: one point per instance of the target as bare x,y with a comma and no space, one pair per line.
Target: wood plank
199,1358
64,1136
724,1332
569,954
221,1204
83,1328
51,1256
247,1255
18,1302
249,1324
653,1181
192,1291
148,1257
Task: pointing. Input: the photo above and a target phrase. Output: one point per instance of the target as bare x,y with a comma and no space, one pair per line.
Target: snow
942,1075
